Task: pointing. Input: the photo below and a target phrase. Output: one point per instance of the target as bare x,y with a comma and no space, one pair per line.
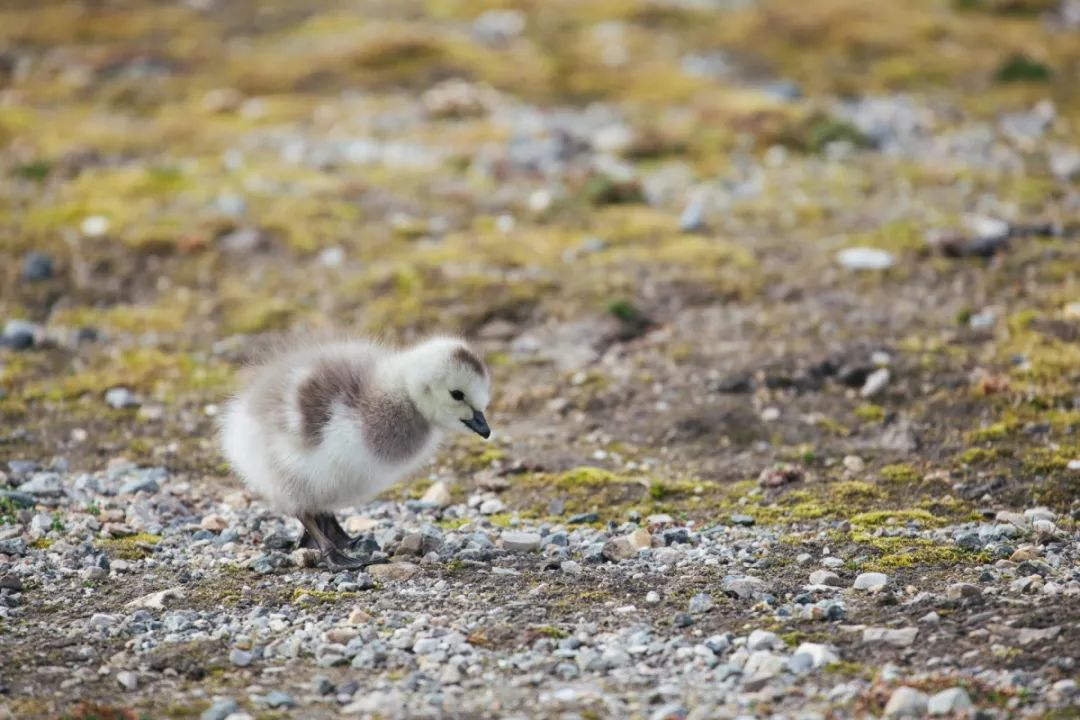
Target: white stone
871,581
864,258
906,702
949,702
438,494
820,655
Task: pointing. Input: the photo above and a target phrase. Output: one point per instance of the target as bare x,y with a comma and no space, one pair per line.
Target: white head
448,384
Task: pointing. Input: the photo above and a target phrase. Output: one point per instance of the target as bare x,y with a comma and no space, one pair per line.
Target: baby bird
331,425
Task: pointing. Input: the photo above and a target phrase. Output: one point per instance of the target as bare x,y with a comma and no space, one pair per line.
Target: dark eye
457,395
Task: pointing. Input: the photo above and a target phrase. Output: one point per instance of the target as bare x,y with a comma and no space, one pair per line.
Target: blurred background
644,211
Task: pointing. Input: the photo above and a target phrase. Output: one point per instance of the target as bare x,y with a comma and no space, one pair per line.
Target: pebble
898,637
825,577
437,495
240,658
875,383
871,581
19,334
906,702
43,484
127,679
949,702
520,542
957,591
213,523
277,699
37,267
220,710
700,603
864,258
120,398
394,572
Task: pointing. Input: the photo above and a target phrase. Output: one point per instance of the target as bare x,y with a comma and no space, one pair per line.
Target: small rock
825,577
120,398
13,546
570,567
949,702
157,600
820,655
744,520
240,658
220,710
37,266
438,494
127,679
19,334
305,557
214,523
1030,636
522,542
618,549
11,582
640,539
780,474
700,603
43,483
762,640
906,702
359,617
492,506
864,258
94,226
743,586
276,699
956,591
394,572
872,581
898,637
875,383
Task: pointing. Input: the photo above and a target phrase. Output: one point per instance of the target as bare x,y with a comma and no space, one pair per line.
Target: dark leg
335,559
330,526
341,539
306,541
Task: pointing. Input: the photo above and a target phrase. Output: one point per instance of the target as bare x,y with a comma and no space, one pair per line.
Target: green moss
584,477
884,518
977,456
42,543
997,431
133,547
551,631
1021,68
849,669
901,474
902,552
870,413
322,597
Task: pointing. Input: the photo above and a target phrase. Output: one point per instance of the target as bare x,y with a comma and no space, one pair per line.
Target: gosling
332,425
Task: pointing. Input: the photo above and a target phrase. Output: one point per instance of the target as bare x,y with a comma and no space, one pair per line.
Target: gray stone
121,398
240,658
515,541
220,710
762,640
906,702
957,591
700,603
825,577
898,637
43,483
127,679
865,258
871,581
13,546
276,699
19,334
743,586
37,266
744,520
949,702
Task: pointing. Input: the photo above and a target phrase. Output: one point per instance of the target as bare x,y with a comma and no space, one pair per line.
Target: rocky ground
782,303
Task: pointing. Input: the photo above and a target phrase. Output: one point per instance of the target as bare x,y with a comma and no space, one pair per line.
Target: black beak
478,424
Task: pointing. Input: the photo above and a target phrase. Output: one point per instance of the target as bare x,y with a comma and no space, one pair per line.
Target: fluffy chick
331,425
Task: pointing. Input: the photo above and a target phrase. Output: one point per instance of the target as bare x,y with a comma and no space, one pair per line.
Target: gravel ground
785,348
